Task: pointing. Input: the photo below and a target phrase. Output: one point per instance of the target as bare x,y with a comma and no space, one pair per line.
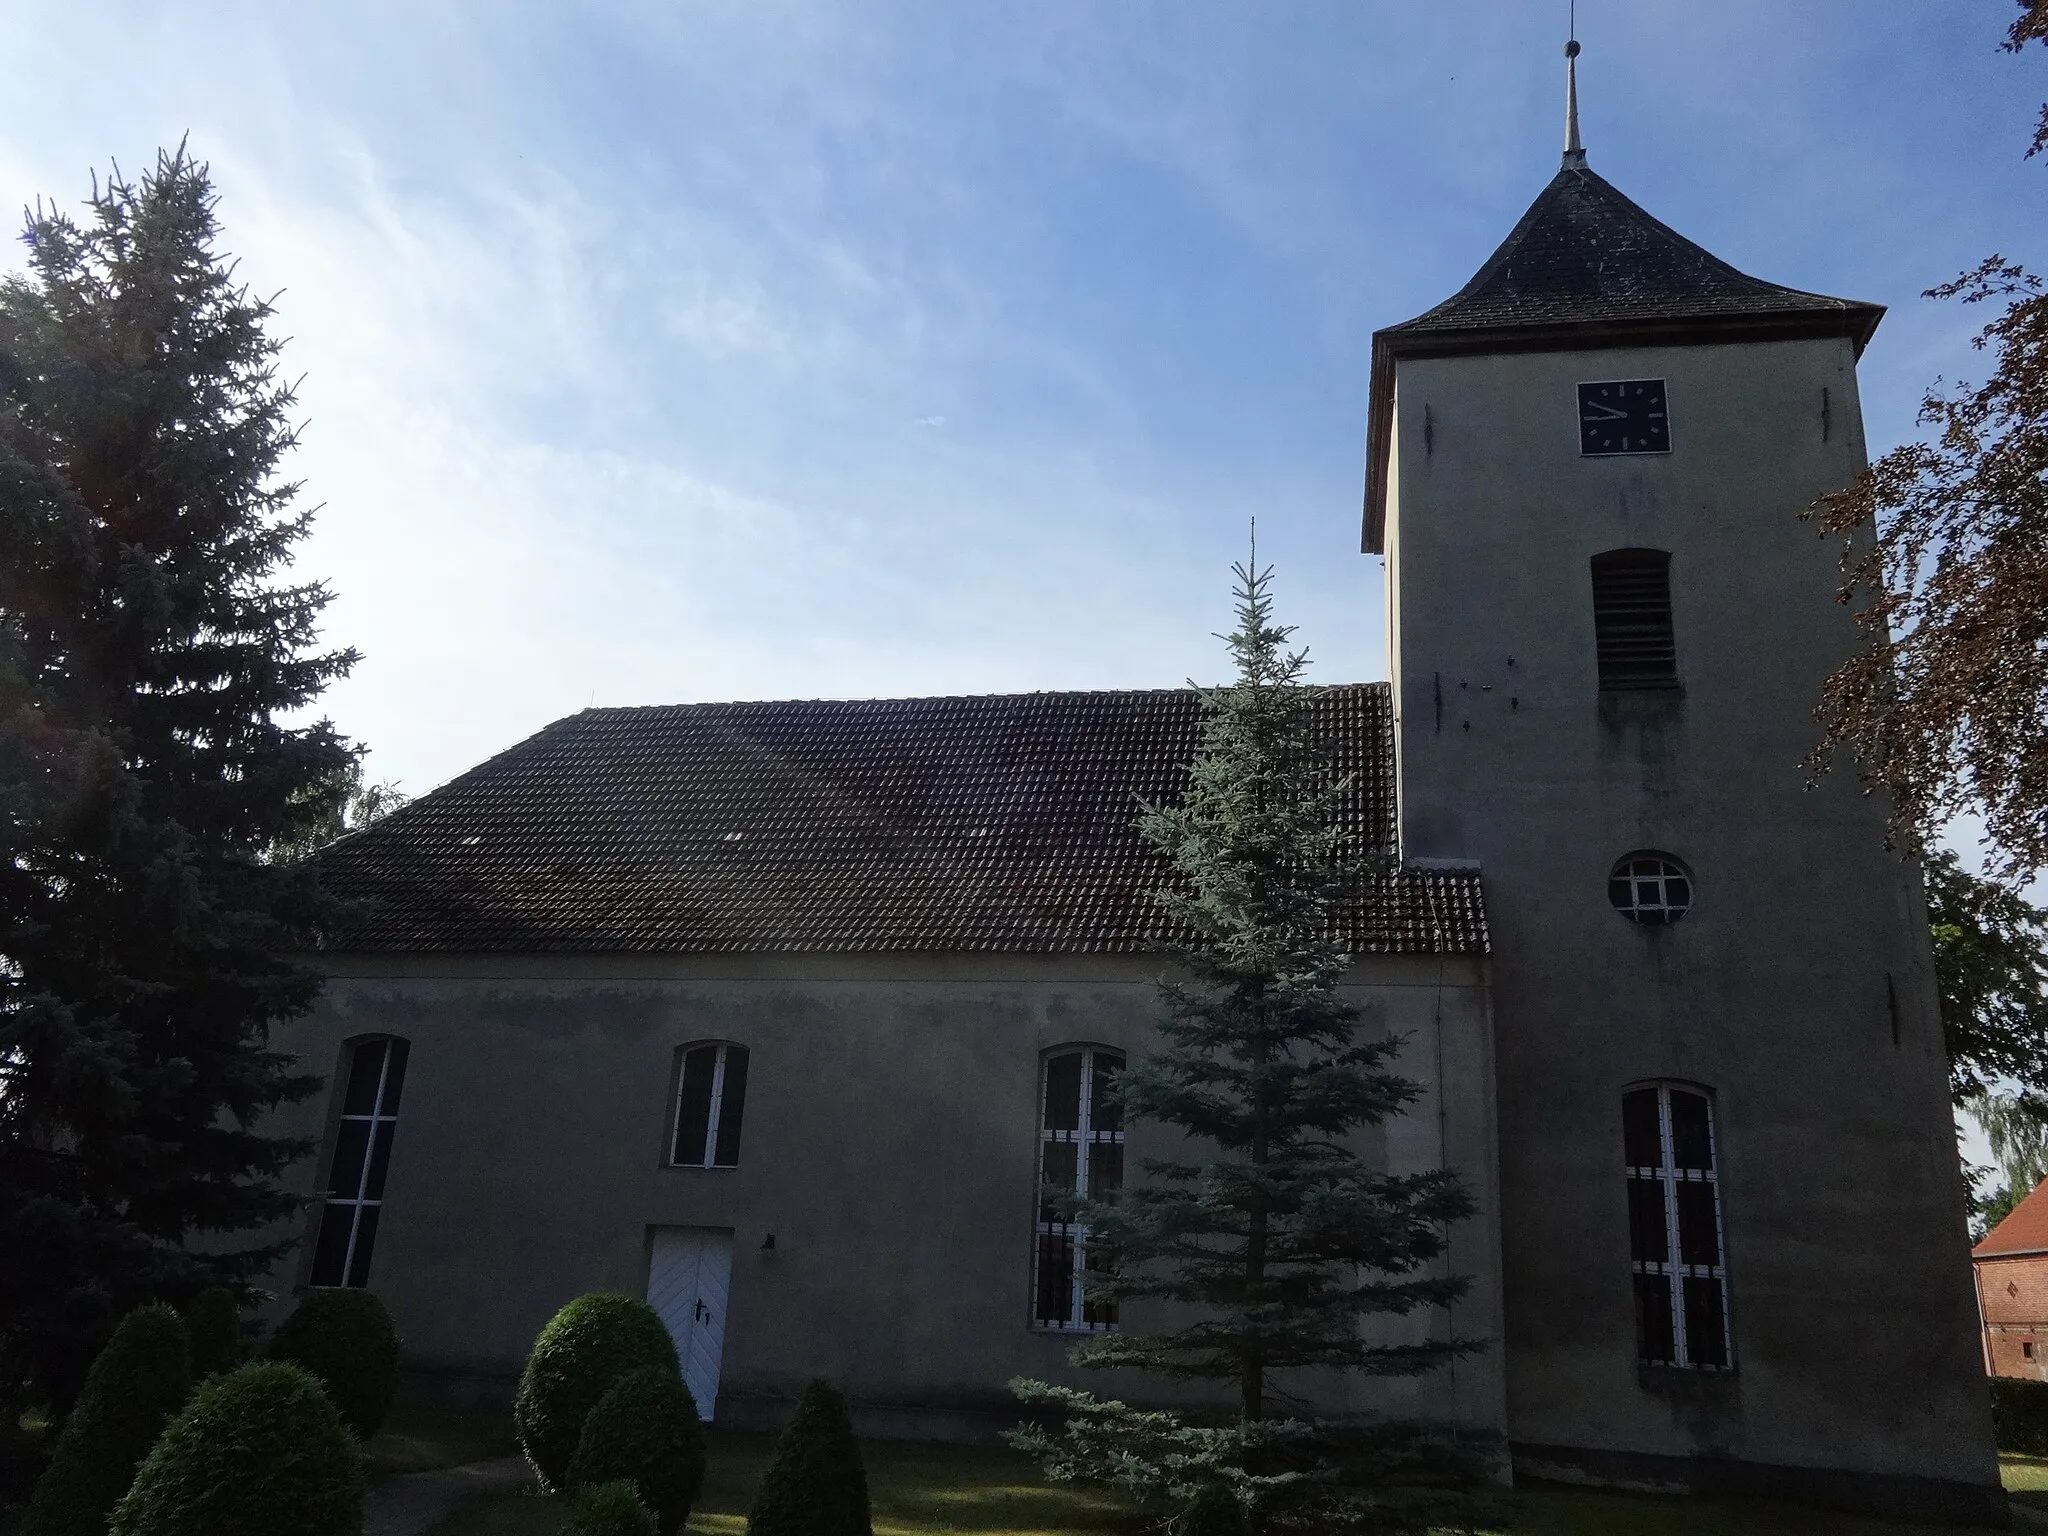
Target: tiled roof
1584,253
2024,1230
1586,268
992,823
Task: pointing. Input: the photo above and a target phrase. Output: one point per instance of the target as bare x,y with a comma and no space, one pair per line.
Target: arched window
1674,1227
1632,619
359,1160
711,1099
1080,1152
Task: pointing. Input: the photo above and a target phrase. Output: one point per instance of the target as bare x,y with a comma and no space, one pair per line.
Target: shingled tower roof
1004,822
1587,268
1585,255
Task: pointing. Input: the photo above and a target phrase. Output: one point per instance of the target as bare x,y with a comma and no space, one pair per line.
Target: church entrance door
689,1276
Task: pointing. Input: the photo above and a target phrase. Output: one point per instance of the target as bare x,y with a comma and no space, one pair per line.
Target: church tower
1731,1214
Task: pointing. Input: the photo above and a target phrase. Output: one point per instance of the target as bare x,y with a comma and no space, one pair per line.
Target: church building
783,1014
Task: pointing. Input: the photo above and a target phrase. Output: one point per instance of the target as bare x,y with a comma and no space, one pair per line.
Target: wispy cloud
831,348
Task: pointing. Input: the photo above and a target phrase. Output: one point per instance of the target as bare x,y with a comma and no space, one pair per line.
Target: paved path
412,1502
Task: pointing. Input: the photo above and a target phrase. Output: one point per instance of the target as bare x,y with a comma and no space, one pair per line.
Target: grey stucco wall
889,1144
1799,989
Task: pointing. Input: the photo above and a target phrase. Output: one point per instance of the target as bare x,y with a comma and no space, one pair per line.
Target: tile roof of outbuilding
951,824
2024,1230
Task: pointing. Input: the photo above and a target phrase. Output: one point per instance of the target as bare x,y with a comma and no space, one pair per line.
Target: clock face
1624,416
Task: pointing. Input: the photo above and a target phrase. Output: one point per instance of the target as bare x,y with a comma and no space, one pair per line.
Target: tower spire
1574,147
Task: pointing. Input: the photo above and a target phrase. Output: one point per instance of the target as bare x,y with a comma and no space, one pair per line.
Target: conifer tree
150,656
1285,1240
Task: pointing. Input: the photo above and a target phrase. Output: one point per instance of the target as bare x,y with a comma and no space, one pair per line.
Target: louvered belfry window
1632,619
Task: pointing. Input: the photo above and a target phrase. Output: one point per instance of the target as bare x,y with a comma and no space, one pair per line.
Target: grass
946,1490
420,1435
916,1488
2026,1479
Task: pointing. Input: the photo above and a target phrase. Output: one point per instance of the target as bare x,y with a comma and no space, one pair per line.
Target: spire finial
1574,147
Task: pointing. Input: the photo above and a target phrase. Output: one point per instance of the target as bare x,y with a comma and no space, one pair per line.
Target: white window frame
1083,1137
358,1200
675,1123
1662,912
1668,1176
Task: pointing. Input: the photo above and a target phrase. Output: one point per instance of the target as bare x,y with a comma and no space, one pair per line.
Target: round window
1651,888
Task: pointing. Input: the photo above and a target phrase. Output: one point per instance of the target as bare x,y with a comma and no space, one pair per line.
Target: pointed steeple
1574,147
1588,268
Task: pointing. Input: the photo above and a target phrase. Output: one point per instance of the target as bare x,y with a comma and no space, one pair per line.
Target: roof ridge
621,710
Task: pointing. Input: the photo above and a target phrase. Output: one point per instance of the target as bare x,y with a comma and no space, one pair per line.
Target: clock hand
1589,408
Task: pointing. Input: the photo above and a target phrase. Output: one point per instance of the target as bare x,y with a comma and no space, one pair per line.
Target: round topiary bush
346,1340
1214,1511
607,1509
213,1319
140,1379
817,1484
584,1349
645,1431
2019,1415
259,1451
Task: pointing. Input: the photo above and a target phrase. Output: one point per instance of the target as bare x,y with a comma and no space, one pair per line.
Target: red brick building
2012,1290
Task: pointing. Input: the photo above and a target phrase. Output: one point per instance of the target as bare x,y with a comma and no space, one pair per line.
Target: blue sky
693,351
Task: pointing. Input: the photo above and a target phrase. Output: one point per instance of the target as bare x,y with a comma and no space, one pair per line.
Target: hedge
140,1379
607,1509
584,1349
345,1339
1214,1511
260,1451
816,1485
645,1431
2019,1414
213,1319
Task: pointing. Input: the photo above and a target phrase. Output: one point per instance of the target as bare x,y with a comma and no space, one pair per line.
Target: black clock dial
1624,416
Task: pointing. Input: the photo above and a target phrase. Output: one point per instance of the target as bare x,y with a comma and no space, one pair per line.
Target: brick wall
2013,1296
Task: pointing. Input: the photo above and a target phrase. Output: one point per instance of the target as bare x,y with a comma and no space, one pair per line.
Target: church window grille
711,1102
1650,888
359,1161
1080,1154
1632,633
1674,1228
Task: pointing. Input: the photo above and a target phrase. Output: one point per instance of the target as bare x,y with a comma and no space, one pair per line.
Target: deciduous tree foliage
1285,1242
150,656
1991,966
1946,707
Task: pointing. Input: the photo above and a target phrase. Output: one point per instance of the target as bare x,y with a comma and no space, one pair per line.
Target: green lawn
420,1434
916,1488
936,1490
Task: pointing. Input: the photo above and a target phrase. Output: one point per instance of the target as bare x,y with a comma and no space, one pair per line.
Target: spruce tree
1284,1241
150,657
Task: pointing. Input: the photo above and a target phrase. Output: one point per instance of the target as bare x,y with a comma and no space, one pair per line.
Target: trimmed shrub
345,1339
584,1349
260,1451
140,1379
607,1509
1214,1511
645,1431
2019,1415
817,1484
213,1319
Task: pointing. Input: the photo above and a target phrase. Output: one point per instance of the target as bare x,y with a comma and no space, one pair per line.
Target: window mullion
1667,1178
717,1101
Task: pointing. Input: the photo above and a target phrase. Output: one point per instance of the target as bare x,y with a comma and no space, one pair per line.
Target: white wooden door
689,1277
